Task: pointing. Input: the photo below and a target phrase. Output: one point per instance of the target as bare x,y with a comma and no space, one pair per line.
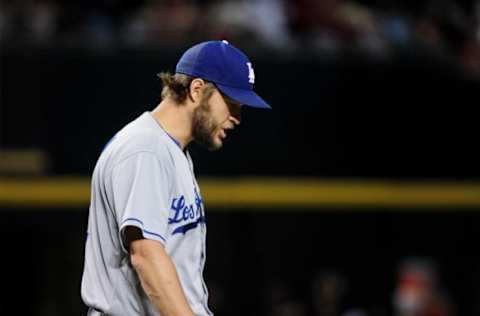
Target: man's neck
176,120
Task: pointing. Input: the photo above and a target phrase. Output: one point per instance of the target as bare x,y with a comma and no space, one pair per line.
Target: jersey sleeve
141,185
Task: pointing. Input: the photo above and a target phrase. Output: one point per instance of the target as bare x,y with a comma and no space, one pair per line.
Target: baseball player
145,247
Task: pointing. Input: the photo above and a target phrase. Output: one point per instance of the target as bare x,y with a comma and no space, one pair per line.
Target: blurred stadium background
359,194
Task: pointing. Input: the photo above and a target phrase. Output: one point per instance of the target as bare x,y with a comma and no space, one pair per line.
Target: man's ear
196,90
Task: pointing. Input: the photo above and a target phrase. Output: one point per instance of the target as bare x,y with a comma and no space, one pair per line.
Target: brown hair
177,87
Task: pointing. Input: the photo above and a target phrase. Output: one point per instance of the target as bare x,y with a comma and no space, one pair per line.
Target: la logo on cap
224,65
251,74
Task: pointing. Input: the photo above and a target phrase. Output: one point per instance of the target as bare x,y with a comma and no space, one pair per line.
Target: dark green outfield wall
249,251
333,116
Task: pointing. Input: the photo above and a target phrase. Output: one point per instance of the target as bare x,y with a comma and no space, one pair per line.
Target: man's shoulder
139,140
134,140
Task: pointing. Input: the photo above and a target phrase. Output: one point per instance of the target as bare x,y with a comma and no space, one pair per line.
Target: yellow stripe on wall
309,193
51,192
263,193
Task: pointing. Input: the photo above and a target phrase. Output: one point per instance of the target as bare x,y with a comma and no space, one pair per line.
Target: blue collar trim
173,139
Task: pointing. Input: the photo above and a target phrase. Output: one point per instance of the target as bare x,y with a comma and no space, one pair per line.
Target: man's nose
235,114
236,119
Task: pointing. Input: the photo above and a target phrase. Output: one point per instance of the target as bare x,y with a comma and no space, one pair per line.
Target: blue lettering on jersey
189,216
185,228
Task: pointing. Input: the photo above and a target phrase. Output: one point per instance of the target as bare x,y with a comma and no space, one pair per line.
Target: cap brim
245,97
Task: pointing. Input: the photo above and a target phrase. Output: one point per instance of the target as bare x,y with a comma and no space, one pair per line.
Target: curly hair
177,87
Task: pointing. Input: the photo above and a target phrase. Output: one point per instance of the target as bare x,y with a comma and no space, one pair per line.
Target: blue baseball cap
225,66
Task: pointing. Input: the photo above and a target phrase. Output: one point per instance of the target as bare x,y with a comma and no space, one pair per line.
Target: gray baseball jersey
143,179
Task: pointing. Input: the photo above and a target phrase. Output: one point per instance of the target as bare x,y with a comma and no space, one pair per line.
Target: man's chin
212,145
215,145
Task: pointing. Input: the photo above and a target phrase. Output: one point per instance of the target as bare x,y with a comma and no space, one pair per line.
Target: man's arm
157,274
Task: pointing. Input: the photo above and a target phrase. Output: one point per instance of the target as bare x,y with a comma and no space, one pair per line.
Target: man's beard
204,127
